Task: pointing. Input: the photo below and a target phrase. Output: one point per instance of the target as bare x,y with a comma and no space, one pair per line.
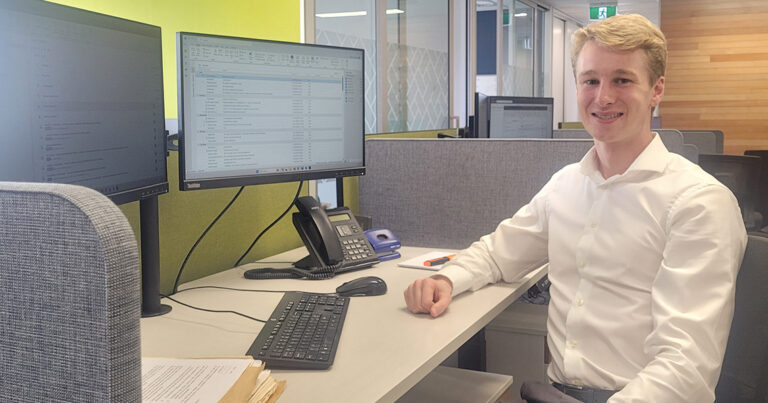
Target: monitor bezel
257,179
480,126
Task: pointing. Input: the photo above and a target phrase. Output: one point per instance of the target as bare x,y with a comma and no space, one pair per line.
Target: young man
643,246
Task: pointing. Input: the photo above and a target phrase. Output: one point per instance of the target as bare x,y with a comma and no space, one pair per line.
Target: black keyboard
302,332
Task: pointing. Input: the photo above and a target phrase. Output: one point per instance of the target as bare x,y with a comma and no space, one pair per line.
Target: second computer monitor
519,117
257,111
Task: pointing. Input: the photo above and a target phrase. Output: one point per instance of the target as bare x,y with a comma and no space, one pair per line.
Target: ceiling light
354,13
342,14
521,15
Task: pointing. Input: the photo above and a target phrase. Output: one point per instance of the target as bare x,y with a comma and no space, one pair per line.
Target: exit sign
601,12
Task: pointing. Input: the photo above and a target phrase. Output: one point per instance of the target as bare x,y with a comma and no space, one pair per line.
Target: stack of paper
238,379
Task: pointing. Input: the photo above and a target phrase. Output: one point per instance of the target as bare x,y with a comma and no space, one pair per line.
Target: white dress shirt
642,265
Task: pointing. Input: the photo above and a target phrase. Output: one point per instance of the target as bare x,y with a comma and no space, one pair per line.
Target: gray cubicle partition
708,141
447,193
672,139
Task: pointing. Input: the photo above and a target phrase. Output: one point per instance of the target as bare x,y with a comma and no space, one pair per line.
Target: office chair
761,203
745,367
741,174
70,300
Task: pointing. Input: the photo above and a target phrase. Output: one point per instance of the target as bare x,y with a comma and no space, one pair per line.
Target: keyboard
302,332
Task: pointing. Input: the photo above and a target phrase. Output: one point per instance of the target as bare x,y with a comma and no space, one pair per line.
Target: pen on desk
439,260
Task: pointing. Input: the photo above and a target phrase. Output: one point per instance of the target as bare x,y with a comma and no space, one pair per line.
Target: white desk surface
384,350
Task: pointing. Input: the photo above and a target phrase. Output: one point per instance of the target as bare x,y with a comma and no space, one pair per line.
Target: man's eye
591,82
623,81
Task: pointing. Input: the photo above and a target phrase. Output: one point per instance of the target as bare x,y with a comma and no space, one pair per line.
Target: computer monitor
520,117
81,102
255,111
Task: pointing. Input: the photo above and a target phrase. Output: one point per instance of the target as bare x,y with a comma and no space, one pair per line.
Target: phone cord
318,273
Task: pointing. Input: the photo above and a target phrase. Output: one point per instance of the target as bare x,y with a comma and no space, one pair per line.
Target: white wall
570,108
558,69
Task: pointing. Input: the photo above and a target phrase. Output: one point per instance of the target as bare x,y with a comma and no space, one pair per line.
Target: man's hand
429,295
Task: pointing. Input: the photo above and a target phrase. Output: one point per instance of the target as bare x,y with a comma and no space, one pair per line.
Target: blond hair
625,33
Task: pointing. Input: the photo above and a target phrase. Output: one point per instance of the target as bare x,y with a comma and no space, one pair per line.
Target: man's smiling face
615,95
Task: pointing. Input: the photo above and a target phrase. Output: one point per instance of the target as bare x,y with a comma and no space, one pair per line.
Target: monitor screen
81,100
520,117
257,111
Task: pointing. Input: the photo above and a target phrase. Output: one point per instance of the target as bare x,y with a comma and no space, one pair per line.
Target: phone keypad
356,248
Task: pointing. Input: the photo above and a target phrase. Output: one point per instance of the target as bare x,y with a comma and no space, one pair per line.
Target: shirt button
573,344
592,224
582,264
579,302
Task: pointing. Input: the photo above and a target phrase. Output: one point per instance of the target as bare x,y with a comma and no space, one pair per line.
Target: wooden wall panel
717,72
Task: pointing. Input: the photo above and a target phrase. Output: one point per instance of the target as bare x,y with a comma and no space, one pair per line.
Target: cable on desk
181,269
249,290
298,191
212,310
230,289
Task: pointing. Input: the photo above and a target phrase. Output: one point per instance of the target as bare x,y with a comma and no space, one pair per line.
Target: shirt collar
653,159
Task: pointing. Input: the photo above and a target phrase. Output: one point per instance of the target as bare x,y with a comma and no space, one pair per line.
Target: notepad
418,262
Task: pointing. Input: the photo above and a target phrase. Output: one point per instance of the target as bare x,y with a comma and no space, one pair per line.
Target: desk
384,349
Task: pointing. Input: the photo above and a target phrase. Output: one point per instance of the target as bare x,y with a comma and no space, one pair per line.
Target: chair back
70,300
744,377
762,189
740,174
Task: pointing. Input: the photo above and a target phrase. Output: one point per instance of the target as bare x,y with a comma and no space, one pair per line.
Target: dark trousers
538,392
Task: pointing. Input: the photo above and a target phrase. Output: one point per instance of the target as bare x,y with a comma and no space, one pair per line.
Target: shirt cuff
460,278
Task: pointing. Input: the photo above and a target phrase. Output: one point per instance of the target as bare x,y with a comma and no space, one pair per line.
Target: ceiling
578,10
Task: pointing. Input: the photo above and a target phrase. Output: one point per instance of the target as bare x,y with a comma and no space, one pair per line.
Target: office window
517,49
352,23
417,65
512,48
411,67
543,54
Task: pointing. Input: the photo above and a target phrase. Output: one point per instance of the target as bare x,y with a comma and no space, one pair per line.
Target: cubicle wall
707,141
447,193
672,139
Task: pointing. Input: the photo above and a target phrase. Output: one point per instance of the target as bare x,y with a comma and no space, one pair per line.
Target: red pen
439,260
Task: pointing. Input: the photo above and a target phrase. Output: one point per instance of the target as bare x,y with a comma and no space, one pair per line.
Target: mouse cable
212,310
247,251
184,263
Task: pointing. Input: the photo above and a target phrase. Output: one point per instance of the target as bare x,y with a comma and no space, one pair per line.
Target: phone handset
316,231
319,236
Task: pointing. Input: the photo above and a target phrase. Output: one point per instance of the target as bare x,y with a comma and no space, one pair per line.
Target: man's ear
658,92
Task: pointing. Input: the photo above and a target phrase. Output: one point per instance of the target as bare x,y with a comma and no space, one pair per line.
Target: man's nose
605,94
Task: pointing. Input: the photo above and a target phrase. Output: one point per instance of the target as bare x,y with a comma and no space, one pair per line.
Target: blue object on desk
388,255
384,243
382,240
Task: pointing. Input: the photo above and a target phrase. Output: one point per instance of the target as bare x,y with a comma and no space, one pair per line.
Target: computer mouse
363,286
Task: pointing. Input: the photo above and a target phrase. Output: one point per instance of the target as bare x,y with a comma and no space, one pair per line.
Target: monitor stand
339,192
150,259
